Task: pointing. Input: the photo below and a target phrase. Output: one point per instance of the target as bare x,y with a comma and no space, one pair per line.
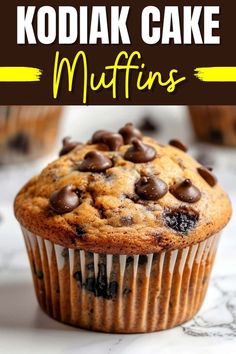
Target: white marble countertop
24,328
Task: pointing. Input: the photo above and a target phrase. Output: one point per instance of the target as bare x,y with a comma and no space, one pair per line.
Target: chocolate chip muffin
122,232
215,124
27,132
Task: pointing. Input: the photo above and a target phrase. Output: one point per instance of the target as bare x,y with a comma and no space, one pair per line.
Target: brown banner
135,73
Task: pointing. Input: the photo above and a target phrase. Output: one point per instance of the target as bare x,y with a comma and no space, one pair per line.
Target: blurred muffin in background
215,124
27,132
149,125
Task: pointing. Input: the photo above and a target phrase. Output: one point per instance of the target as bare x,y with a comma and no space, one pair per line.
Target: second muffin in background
215,124
122,232
27,132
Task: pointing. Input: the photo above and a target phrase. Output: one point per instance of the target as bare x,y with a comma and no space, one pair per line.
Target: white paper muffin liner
123,294
35,126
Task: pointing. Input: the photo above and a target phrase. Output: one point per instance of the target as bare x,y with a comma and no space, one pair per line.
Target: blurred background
30,137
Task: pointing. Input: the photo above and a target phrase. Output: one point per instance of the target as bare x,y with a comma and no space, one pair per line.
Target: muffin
215,124
122,232
27,132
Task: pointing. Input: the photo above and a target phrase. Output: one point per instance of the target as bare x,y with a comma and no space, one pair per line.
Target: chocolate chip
90,284
178,144
34,267
64,200
102,211
95,161
155,257
65,253
159,239
72,240
90,266
20,142
126,291
129,132
102,270
180,221
97,136
126,220
149,125
151,188
207,175
68,146
186,191
80,231
112,289
39,274
139,152
129,260
216,136
101,285
133,197
113,140
78,276
142,259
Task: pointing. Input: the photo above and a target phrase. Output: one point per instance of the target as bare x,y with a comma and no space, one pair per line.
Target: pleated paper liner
27,132
122,294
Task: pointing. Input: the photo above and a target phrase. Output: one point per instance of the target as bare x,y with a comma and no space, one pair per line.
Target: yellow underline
216,74
19,74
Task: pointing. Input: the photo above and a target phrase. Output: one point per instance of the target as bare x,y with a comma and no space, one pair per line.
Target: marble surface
24,328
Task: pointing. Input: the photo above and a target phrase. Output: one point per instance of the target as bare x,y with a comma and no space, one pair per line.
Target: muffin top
122,193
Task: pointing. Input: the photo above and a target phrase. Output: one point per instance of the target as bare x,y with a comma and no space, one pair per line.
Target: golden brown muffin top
122,193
